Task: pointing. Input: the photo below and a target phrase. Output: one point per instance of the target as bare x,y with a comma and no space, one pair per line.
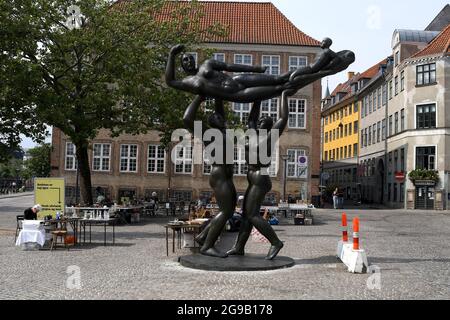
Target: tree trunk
85,173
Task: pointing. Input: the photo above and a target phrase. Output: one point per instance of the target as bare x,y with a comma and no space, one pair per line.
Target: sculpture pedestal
249,262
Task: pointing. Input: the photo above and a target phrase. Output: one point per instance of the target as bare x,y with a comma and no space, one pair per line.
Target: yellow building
340,137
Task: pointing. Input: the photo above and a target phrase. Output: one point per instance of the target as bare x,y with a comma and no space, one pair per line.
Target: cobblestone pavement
412,250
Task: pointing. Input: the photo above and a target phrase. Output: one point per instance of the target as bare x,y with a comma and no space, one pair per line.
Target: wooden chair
59,233
19,220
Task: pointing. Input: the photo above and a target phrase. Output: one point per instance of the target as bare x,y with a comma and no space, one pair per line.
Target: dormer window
397,58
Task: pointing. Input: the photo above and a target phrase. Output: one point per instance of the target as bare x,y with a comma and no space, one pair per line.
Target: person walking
336,198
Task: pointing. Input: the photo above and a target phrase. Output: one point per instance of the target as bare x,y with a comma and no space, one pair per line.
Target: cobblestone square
410,248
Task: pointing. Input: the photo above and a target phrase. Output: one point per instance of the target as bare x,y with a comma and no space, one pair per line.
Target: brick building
136,166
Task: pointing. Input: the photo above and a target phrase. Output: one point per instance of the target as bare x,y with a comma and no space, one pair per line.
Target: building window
362,138
370,135
296,62
101,157
181,195
350,129
390,90
245,59
370,103
240,165
269,108
242,111
425,158
402,120
402,160
395,160
128,157
379,98
183,159
402,192
426,116
326,137
71,158
365,137
374,133
426,74
272,63
345,152
207,167
402,81
378,131
355,127
156,159
390,163
383,129
355,150
219,57
390,126
384,94
396,85
273,169
355,107
326,156
293,168
395,192
396,123
397,58
297,110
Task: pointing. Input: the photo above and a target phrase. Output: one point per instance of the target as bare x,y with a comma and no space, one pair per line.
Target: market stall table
97,222
179,228
32,232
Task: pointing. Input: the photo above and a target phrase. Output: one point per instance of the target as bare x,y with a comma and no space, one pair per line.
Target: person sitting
31,213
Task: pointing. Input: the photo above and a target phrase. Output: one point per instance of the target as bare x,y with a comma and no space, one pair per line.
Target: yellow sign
49,193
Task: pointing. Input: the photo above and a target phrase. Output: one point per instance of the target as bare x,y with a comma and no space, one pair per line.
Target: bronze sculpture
259,183
252,86
221,178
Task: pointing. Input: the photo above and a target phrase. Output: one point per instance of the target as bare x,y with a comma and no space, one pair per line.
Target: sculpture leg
226,195
253,199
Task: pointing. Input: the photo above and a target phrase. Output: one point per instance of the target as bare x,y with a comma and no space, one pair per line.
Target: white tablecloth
30,235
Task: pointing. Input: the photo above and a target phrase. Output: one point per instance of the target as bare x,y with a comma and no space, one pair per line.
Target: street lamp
285,158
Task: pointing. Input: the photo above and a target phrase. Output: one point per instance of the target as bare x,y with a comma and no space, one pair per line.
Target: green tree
38,164
104,73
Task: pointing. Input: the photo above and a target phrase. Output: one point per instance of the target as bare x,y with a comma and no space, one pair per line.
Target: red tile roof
247,23
439,46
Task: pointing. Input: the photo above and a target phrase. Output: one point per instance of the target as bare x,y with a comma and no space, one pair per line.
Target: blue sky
364,27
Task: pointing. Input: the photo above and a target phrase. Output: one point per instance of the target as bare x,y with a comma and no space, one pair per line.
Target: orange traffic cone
344,228
356,234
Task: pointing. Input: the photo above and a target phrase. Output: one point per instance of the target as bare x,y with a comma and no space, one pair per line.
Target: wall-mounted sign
425,183
400,176
49,193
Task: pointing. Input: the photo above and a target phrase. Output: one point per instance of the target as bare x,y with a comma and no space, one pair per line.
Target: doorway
425,198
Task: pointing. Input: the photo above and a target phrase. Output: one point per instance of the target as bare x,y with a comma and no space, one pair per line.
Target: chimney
351,74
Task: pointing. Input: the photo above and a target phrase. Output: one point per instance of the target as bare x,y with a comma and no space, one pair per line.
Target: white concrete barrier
355,260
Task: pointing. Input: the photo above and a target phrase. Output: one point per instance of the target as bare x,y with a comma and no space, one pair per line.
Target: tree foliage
105,74
38,163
